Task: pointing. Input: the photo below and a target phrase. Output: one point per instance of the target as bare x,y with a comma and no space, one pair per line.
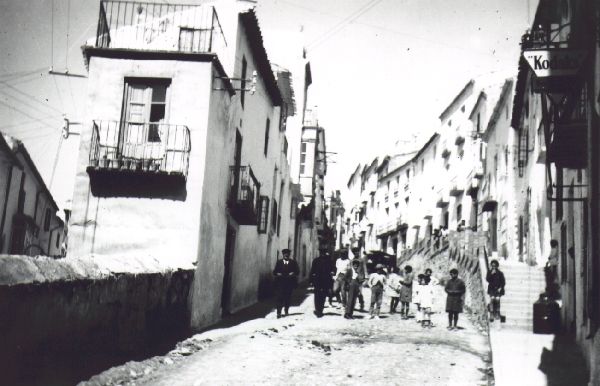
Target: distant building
29,224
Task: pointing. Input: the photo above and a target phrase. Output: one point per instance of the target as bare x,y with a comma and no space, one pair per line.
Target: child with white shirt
424,300
377,281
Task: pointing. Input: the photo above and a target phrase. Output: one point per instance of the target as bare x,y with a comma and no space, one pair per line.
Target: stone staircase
523,287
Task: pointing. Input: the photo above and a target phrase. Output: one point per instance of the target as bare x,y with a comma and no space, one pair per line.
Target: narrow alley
303,349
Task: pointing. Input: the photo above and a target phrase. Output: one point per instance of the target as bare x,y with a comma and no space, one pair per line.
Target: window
434,151
22,196
274,215
302,157
283,117
145,102
243,82
267,127
293,208
47,219
459,212
57,240
263,214
559,193
478,122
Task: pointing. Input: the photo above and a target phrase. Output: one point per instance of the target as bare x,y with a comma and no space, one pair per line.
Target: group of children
399,288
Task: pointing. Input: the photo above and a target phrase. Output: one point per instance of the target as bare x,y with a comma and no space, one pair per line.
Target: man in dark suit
286,279
321,278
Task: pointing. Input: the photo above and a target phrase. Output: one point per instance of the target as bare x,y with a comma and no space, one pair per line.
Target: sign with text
557,62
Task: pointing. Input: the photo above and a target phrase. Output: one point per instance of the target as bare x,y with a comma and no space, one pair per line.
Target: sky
382,70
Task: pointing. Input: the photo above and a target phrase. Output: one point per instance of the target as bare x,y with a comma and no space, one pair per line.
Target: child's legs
373,299
394,303
419,315
378,301
452,317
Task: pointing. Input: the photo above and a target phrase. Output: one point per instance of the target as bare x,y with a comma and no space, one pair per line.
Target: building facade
184,157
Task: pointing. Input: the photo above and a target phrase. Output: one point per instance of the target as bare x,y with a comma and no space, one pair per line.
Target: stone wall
63,321
463,253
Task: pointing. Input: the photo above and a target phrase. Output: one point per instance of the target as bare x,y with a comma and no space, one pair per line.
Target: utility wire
338,27
28,96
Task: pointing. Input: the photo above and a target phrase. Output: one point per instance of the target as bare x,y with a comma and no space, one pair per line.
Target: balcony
460,139
243,195
407,187
473,187
478,170
443,198
446,153
159,27
148,160
456,186
140,147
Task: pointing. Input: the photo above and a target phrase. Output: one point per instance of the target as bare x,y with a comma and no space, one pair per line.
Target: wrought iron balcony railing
140,147
244,195
159,27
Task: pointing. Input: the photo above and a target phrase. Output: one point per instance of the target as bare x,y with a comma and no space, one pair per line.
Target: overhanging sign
558,62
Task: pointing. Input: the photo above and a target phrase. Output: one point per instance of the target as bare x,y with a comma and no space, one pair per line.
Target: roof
356,173
250,22
506,89
284,82
422,150
18,147
464,94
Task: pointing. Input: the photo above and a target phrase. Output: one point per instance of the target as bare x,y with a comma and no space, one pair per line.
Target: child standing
377,281
406,291
455,288
393,289
424,300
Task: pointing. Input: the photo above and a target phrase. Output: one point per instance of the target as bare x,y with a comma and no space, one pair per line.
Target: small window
57,240
267,128
462,109
243,82
450,123
263,214
47,219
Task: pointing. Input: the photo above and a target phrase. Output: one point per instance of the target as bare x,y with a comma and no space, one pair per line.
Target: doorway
227,270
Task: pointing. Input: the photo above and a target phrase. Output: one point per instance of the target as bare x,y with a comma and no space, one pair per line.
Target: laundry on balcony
140,147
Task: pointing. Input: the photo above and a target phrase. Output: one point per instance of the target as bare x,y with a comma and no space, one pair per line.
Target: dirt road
304,349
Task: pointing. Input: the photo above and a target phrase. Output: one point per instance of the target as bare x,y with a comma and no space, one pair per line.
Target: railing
395,192
141,147
386,197
159,27
406,187
244,194
456,186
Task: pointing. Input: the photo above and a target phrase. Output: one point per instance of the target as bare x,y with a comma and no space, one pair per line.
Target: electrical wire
27,96
338,27
60,141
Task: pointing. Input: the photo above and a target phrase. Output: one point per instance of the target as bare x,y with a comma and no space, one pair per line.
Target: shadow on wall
564,364
109,183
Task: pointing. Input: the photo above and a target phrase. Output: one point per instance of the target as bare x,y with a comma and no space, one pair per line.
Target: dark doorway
494,229
227,269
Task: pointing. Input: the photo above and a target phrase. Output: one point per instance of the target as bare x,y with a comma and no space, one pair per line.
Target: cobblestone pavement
304,349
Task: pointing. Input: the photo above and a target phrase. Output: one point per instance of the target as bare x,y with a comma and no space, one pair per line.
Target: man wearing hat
321,278
355,276
286,279
363,268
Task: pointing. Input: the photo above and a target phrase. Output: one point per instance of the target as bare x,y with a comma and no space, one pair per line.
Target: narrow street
302,349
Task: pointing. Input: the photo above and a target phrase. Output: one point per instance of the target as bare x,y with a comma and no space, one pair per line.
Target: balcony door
145,110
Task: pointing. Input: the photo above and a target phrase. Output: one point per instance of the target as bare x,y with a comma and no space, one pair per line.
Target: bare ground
304,349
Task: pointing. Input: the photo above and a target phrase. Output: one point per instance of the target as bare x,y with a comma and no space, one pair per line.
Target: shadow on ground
257,311
564,364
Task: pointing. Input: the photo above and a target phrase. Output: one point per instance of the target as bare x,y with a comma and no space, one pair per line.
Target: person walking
455,288
340,287
363,268
551,271
320,278
393,289
406,282
356,277
377,282
496,283
286,279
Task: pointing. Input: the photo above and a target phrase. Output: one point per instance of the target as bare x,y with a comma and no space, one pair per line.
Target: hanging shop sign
555,62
